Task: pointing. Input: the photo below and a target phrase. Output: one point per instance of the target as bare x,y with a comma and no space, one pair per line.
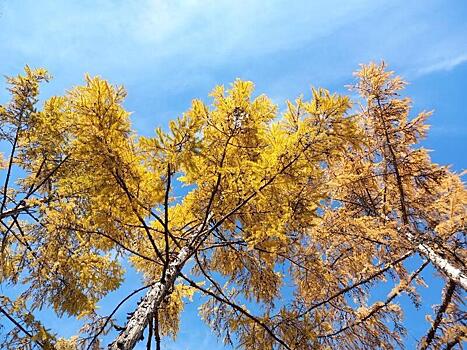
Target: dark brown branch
123,185
216,186
12,155
33,189
156,330
359,283
237,308
21,206
121,245
166,222
448,294
150,334
375,310
400,186
20,327
455,341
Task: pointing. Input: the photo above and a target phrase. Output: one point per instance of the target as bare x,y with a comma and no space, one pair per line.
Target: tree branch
237,308
448,294
20,327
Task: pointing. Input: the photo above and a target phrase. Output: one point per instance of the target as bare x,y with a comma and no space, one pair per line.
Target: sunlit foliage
289,220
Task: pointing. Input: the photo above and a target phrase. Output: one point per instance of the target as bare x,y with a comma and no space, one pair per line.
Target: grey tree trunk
134,329
443,265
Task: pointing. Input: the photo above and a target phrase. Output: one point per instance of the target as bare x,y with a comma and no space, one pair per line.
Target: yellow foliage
315,205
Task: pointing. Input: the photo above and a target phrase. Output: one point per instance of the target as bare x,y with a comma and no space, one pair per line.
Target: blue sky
167,52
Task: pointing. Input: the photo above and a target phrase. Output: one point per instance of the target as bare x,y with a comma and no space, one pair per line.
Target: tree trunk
440,263
153,299
443,265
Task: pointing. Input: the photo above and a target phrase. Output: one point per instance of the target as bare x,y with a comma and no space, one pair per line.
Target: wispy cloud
193,43
167,52
164,36
446,64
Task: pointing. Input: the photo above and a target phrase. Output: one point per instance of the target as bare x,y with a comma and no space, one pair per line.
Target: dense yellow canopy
289,218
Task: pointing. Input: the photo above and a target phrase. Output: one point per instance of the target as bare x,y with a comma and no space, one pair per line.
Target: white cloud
445,64
241,28
161,49
116,33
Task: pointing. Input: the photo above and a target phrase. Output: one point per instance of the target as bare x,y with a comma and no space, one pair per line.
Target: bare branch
20,327
359,283
375,310
237,308
448,294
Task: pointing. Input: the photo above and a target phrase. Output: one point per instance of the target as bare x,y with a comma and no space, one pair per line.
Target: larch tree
288,224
